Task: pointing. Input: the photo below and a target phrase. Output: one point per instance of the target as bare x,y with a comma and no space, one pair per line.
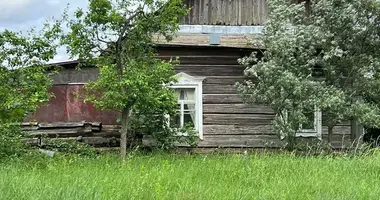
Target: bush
10,141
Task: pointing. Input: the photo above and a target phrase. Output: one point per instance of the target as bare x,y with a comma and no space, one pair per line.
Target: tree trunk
329,133
125,115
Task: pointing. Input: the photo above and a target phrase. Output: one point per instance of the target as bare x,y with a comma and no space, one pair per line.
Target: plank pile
36,134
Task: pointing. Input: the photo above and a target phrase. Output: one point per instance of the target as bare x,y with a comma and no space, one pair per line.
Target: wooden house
211,39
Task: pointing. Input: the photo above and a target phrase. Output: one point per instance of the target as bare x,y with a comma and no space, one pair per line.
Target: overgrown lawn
193,177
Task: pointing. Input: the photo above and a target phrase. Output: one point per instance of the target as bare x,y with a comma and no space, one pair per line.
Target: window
313,127
189,95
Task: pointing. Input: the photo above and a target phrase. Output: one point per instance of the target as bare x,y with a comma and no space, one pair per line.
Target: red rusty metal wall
66,107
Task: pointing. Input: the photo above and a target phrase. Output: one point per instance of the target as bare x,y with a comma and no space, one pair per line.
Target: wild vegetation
319,55
23,81
263,176
117,37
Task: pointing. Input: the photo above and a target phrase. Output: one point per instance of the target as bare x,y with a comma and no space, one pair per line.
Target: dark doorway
372,136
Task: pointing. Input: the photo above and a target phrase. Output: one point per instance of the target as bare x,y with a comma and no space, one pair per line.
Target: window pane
310,121
189,118
176,120
189,107
185,93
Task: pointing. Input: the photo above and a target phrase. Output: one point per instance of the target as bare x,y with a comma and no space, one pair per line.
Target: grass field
193,177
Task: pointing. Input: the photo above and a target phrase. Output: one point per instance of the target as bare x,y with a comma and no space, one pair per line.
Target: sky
21,15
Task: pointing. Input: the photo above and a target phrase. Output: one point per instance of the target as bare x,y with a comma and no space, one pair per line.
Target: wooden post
357,132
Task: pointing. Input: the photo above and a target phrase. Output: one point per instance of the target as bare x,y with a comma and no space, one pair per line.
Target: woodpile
92,133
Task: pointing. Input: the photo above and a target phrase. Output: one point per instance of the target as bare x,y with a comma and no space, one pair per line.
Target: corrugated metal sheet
65,106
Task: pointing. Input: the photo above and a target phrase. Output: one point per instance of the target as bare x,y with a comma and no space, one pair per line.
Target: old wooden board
221,129
237,119
206,60
222,99
236,109
224,80
235,141
227,12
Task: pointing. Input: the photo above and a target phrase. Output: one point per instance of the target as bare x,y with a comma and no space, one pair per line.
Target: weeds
163,176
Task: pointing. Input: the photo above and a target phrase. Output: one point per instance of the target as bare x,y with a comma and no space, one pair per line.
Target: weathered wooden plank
265,11
72,132
238,129
195,12
199,59
187,19
211,70
200,49
201,12
60,77
259,129
240,141
212,12
340,141
256,12
236,109
227,12
249,12
239,119
61,125
245,12
338,130
83,75
29,126
220,13
205,11
233,13
219,89
221,99
223,80
239,12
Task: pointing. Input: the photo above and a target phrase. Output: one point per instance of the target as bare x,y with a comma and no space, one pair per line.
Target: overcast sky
20,15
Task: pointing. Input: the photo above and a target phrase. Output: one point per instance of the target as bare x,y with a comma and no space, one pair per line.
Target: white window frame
186,81
317,131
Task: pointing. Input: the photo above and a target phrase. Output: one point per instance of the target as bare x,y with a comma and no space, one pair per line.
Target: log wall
228,122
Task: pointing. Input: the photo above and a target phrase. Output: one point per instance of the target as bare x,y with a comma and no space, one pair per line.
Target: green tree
23,81
325,56
117,37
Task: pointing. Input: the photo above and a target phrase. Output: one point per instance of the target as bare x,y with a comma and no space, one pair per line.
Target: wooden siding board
234,13
221,129
236,141
205,60
221,99
227,12
249,12
223,80
236,109
340,141
219,89
204,70
237,119
194,50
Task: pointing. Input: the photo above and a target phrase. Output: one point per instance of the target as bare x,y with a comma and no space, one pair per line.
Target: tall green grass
193,177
